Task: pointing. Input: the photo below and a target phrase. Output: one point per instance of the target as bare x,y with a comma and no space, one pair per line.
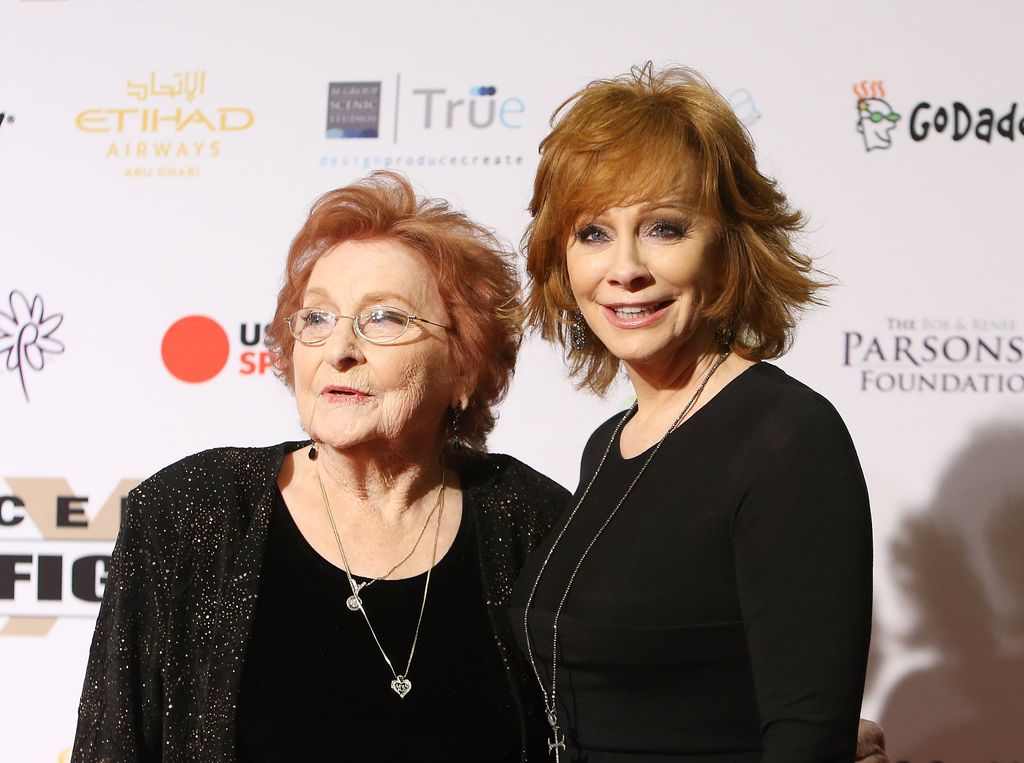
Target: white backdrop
156,158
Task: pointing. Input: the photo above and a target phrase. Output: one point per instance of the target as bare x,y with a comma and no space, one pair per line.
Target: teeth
633,312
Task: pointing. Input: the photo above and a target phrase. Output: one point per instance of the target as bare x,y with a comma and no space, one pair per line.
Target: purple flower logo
26,335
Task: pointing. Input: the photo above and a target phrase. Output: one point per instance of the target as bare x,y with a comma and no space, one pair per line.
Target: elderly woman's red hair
668,136
475,275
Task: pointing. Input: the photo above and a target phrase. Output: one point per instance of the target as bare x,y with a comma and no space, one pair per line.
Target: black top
724,614
165,665
315,686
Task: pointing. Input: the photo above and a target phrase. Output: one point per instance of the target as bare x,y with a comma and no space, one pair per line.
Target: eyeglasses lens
382,324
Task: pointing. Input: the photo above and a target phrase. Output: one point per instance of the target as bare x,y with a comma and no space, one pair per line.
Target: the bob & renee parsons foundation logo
878,121
165,125
936,356
197,348
54,551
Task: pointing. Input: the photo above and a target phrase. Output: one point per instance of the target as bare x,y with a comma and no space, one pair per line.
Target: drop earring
456,416
577,330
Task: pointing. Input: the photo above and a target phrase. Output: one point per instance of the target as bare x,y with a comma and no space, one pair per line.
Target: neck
661,384
381,485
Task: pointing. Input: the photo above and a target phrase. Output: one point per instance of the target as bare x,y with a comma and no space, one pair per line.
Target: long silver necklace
401,684
557,741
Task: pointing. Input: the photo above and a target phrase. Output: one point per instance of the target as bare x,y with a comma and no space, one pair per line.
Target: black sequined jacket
166,658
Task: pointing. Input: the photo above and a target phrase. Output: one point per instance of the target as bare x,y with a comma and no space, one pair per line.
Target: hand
870,743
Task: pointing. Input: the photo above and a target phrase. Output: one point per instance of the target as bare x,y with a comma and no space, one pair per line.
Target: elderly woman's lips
345,394
635,316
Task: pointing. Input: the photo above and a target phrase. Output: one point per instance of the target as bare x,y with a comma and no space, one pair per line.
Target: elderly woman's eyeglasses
379,324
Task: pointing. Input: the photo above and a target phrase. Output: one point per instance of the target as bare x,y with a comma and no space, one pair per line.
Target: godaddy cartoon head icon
875,117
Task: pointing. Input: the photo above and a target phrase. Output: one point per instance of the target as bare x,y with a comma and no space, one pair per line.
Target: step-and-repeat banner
157,157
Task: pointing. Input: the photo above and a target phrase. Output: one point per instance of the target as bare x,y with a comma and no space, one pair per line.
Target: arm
119,718
802,538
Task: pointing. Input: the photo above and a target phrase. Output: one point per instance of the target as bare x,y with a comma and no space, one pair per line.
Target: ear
460,401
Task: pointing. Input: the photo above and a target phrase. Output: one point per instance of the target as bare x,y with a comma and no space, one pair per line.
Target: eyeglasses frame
355,324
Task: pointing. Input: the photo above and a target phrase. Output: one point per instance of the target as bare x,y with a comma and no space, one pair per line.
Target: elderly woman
707,596
344,598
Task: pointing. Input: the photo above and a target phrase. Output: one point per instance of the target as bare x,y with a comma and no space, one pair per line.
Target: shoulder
500,484
211,478
599,439
783,410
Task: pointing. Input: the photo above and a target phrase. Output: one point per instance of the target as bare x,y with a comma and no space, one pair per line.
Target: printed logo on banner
27,335
876,119
165,126
6,118
61,570
196,349
353,109
937,356
742,102
426,123
956,120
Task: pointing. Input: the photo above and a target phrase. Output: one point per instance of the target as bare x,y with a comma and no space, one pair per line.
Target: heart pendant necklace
401,685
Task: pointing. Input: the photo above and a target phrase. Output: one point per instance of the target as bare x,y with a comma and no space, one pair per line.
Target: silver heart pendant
402,686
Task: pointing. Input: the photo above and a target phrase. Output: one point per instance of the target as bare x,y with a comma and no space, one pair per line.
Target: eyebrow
676,205
373,297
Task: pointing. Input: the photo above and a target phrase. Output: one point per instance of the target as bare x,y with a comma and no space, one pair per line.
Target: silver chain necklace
401,684
355,601
557,741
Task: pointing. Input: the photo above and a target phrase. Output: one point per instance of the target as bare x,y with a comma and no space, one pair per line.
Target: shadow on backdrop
961,562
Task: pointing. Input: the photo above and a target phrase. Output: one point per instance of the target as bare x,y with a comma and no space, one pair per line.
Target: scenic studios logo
878,121
27,336
353,110
417,122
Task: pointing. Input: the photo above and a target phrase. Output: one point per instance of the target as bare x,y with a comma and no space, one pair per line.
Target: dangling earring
312,452
456,415
724,335
577,330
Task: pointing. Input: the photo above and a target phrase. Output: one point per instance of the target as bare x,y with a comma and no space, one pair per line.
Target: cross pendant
557,742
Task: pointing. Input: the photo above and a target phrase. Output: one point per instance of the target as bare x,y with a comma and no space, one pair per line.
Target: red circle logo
195,349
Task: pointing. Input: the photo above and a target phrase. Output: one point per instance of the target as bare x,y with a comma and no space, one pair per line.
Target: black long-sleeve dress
724,614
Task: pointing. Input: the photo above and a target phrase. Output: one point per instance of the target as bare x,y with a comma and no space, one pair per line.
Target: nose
342,348
628,269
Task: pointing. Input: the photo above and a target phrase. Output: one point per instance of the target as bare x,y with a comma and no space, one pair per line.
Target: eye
592,234
384,316
669,230
316,318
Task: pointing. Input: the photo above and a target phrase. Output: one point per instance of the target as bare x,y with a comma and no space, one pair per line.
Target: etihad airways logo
165,126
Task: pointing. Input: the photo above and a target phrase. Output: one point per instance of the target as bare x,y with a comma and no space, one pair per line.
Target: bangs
620,162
